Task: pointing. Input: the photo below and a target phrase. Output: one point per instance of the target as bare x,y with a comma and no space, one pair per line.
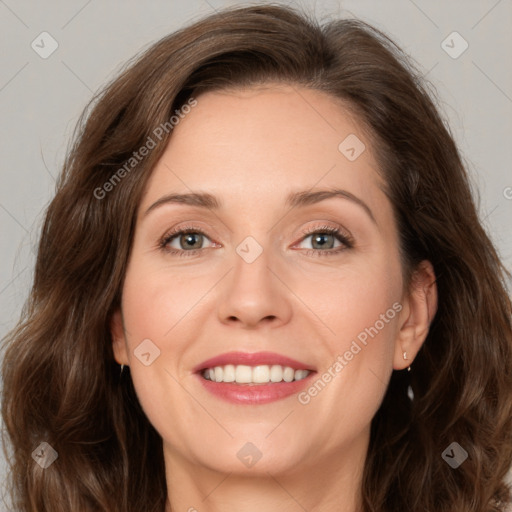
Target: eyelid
327,228
178,230
338,232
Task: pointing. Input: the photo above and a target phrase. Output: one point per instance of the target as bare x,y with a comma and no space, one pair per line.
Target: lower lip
252,394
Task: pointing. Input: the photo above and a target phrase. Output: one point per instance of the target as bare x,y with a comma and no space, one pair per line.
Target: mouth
244,378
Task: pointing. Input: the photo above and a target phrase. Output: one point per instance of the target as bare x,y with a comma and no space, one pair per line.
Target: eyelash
330,230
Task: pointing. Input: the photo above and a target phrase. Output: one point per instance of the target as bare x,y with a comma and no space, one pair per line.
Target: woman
368,371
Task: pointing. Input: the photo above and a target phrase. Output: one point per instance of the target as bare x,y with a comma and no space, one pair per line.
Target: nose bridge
251,264
253,292
252,277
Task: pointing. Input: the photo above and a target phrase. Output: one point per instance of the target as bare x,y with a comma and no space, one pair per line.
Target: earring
122,368
406,359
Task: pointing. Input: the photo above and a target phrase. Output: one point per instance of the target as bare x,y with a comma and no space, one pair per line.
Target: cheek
158,306
359,309
156,299
355,300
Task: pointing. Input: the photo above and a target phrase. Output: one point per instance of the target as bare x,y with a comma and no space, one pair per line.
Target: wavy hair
61,384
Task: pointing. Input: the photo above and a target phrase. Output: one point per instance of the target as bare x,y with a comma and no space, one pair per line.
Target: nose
255,293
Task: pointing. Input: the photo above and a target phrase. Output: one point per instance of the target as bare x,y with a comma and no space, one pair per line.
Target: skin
251,148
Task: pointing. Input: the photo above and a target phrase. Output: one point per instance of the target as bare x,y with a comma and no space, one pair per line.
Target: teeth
288,374
301,374
243,374
276,373
261,374
229,373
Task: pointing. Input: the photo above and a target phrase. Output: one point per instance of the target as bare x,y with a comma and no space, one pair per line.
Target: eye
186,240
324,238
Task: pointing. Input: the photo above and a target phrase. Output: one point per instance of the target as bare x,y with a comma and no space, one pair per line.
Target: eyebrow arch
293,200
201,199
306,197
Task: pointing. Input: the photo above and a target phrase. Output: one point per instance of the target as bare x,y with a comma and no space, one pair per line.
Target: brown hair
61,383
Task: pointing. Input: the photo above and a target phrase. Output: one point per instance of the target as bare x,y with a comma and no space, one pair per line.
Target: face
269,268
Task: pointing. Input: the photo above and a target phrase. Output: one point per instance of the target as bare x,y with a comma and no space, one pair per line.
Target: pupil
189,237
322,244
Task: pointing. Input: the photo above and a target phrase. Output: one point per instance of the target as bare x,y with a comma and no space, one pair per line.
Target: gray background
41,99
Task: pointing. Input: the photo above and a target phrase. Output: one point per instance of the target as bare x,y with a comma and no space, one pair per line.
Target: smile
253,378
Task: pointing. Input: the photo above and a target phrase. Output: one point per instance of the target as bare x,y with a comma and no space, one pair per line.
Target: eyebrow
293,200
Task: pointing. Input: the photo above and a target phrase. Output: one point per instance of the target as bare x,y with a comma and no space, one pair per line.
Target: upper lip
252,359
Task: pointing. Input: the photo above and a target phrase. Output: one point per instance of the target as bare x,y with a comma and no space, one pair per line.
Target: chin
245,457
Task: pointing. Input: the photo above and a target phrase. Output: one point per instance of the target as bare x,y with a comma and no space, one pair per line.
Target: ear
419,309
118,338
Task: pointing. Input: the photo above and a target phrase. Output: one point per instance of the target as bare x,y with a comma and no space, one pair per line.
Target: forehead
254,146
